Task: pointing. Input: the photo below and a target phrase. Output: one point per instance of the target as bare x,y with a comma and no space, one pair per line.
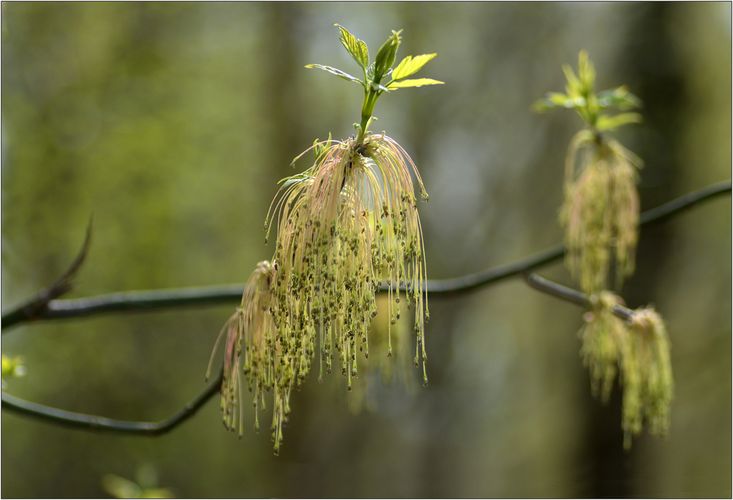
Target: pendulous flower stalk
346,226
647,376
602,336
254,350
638,352
600,212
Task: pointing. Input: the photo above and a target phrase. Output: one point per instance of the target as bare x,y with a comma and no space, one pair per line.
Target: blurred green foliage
172,122
13,366
144,486
581,97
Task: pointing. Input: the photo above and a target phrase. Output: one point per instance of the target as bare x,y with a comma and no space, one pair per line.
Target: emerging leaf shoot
579,95
375,72
600,213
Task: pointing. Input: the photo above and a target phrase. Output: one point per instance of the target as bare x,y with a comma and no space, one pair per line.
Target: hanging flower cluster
647,372
638,349
603,337
252,350
347,227
600,212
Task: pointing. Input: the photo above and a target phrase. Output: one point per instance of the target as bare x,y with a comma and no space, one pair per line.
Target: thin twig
211,295
104,424
37,306
571,295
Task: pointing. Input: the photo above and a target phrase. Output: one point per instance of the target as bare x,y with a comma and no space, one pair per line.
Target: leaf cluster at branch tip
373,72
580,96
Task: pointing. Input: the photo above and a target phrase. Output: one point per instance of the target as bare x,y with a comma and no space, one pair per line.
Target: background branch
37,305
571,295
212,295
104,424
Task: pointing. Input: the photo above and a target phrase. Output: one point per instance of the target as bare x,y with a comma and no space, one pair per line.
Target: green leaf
586,71
411,65
556,100
606,122
573,87
357,48
416,82
370,72
336,71
619,97
386,55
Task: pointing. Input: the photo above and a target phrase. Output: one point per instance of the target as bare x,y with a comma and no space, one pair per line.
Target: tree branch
154,299
104,424
37,305
212,295
571,295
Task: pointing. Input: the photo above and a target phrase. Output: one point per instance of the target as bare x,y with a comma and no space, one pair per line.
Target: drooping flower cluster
603,337
639,351
600,212
254,350
647,372
390,363
347,225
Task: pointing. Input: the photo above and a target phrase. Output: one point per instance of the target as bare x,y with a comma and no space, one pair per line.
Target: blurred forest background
171,123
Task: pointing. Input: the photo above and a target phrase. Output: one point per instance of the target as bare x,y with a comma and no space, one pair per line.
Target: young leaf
620,97
606,122
335,71
586,71
411,65
554,100
573,87
357,48
416,82
386,55
370,72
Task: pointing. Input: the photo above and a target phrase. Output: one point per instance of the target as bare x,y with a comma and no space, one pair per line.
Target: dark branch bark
571,295
37,306
104,424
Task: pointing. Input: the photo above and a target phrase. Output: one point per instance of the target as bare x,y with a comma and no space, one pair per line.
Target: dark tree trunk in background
282,104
